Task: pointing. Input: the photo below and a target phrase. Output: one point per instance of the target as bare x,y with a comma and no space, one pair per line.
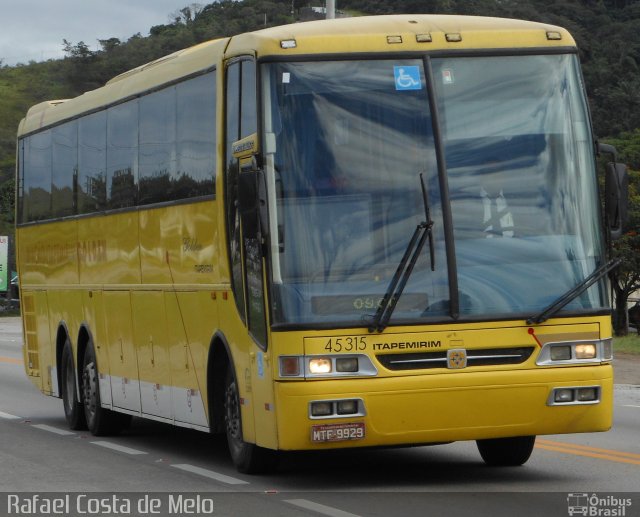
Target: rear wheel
100,421
247,457
72,407
506,452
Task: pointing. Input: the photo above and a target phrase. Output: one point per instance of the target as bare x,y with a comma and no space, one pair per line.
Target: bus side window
64,169
122,155
36,182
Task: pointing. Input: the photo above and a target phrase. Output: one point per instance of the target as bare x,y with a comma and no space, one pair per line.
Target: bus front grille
475,357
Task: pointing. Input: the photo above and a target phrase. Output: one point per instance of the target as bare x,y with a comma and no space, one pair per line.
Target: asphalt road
171,468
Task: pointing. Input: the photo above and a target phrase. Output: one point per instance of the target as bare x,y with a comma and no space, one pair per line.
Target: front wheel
247,457
100,421
506,452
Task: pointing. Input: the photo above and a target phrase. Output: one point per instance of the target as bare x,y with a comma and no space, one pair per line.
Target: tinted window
92,158
196,137
65,169
122,154
37,177
157,159
161,147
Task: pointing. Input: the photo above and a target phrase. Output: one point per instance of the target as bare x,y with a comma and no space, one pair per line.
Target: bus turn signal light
290,366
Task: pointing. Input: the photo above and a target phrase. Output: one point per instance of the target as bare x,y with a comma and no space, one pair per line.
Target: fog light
289,366
563,395
586,394
561,353
320,365
321,408
586,351
347,407
347,364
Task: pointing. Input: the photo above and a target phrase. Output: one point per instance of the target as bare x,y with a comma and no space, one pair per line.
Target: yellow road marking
589,452
10,360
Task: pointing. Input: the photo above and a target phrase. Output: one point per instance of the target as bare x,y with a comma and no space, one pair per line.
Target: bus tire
506,452
73,411
247,457
100,421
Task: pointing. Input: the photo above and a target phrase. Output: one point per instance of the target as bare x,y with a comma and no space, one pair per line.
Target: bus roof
367,34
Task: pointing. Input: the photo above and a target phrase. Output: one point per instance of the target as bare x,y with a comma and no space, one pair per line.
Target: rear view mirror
616,193
616,198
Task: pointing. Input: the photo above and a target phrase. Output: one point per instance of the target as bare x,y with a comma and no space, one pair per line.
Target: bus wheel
72,406
506,452
247,457
100,421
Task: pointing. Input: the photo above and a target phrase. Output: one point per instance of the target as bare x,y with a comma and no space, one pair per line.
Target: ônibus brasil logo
593,505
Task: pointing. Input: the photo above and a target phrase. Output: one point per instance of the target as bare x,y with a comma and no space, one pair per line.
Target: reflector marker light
394,39
453,37
554,35
424,38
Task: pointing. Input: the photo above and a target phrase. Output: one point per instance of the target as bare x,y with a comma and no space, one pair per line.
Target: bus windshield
345,144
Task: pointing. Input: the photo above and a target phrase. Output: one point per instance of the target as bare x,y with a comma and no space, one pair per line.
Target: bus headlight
342,408
585,351
347,364
320,365
560,353
575,352
331,366
563,395
347,407
321,408
586,394
574,396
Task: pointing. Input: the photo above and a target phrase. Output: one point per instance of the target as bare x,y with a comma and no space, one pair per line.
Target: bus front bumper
446,407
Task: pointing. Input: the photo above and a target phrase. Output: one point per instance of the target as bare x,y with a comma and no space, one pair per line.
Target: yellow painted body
152,285
423,406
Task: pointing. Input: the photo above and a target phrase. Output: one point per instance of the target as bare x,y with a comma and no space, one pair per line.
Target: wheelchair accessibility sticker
407,77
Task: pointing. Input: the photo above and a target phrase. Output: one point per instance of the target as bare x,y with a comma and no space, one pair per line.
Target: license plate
337,432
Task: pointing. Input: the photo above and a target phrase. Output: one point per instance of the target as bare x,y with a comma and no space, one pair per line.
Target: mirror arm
608,149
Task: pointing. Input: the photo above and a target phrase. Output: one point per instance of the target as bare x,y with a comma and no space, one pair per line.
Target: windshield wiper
423,231
574,293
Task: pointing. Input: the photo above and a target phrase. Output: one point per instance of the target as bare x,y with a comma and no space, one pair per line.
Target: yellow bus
361,232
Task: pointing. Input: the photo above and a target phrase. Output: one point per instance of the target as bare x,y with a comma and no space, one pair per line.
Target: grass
628,344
